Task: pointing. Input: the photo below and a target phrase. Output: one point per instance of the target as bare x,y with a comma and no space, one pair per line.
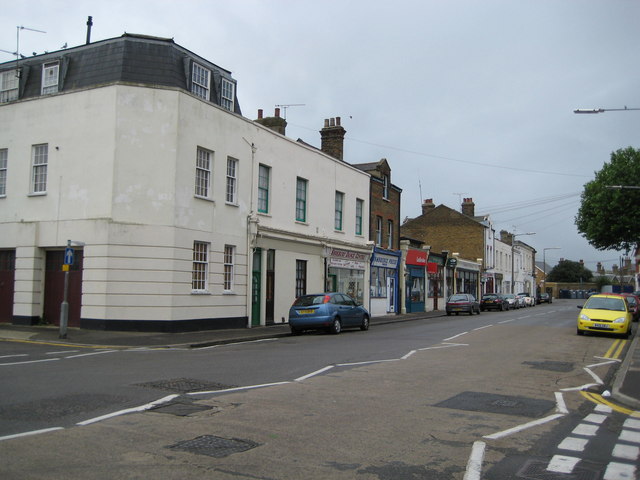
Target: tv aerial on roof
17,51
284,108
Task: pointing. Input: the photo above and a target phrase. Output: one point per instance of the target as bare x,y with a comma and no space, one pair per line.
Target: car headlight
620,320
584,317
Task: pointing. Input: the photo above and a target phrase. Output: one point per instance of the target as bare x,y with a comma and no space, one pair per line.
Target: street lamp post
513,242
544,266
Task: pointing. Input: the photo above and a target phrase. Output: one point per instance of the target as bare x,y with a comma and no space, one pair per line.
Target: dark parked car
544,298
462,302
493,301
327,311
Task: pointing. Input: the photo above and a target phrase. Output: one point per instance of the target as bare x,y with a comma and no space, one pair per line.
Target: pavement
625,388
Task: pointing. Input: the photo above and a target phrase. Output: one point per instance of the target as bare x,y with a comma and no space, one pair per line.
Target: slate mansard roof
129,59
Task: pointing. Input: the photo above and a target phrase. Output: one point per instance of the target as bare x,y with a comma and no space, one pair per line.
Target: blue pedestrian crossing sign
68,256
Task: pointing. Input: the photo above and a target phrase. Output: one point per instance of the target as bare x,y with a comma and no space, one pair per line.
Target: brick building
384,231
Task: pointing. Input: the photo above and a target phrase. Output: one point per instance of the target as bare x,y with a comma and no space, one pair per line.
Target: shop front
346,273
415,280
463,276
384,281
435,281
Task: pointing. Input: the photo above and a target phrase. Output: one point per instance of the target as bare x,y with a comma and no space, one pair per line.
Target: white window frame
385,187
229,267
39,167
227,94
200,267
359,219
339,210
4,160
50,77
9,86
204,162
201,81
379,231
264,184
232,180
389,234
302,186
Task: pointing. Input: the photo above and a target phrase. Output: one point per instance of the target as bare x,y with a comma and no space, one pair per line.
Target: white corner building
182,214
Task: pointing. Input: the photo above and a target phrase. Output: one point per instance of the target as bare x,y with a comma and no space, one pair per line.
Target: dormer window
50,75
8,86
228,95
200,81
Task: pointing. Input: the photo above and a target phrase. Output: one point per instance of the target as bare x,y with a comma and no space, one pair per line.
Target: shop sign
452,262
417,257
386,261
432,267
346,259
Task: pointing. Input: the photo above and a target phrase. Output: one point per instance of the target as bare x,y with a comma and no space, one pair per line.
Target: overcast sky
464,98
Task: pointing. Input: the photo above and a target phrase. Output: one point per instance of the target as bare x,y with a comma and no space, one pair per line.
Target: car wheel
295,331
501,308
448,314
580,332
478,312
336,326
365,323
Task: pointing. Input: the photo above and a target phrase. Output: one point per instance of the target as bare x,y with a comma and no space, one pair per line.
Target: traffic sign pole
64,306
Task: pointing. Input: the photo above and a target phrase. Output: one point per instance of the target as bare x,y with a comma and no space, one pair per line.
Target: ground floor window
301,278
200,269
379,282
229,254
348,281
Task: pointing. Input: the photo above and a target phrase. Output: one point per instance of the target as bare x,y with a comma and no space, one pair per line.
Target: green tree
608,217
571,272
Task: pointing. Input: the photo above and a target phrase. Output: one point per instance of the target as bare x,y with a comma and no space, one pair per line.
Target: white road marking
561,406
620,471
29,361
603,408
632,423
33,432
368,362
16,355
602,363
90,354
585,430
630,436
506,321
237,389
595,377
141,408
474,465
574,444
313,374
581,387
61,352
595,418
482,328
455,336
626,452
562,464
408,355
524,426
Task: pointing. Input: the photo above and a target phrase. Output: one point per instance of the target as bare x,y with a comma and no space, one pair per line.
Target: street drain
180,409
185,385
213,446
503,404
551,366
537,470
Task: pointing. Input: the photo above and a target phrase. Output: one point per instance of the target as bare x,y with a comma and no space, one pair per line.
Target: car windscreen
459,298
604,303
489,297
308,300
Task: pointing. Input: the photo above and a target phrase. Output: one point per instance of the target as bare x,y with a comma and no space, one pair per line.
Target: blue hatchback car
327,311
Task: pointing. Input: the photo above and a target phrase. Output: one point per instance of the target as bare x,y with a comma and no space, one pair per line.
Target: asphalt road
489,396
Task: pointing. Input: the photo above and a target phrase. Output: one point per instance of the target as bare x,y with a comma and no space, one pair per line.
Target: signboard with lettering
347,259
386,261
417,257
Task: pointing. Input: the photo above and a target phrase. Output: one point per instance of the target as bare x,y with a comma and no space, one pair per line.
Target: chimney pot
260,112
277,112
338,121
332,122
326,122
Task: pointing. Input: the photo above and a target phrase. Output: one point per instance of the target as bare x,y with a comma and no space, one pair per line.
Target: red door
7,278
54,288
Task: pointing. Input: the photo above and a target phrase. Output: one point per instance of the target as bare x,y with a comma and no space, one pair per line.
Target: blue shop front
385,266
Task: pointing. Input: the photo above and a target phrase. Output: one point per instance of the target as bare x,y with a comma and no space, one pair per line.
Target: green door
255,287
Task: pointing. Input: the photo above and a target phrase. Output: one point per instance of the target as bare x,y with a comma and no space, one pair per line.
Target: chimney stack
333,138
468,207
275,123
428,205
89,25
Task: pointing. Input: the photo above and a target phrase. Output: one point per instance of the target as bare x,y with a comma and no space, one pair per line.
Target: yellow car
605,314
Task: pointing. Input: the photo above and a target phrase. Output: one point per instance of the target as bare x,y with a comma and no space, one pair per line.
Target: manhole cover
185,385
213,446
551,366
537,470
181,409
503,404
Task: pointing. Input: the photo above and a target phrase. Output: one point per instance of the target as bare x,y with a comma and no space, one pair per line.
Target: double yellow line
616,349
614,353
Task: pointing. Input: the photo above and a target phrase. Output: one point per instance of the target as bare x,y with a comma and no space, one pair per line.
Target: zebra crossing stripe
562,464
620,471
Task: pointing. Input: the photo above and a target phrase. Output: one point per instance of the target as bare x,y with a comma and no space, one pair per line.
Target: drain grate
185,385
551,366
503,404
537,470
213,446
